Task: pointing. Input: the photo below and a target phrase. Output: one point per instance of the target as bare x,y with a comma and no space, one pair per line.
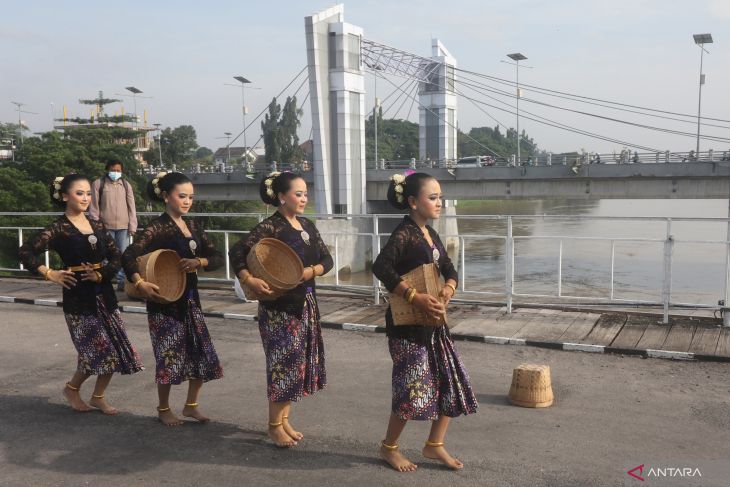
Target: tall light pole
244,109
20,122
159,140
135,92
517,57
701,40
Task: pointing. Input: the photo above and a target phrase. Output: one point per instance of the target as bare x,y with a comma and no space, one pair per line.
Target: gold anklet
434,444
191,404
285,417
68,384
274,425
97,397
163,410
388,447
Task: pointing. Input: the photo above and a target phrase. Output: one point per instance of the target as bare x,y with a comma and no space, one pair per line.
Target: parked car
475,161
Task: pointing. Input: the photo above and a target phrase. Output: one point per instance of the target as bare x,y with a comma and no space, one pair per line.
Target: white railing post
509,276
20,244
337,264
613,261
560,269
225,256
376,251
667,277
462,264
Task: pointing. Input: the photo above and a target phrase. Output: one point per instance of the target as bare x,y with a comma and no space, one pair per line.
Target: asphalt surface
611,414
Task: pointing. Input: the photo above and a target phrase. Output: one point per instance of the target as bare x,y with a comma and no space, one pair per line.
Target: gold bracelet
411,295
453,288
243,281
406,292
314,271
99,277
45,274
138,282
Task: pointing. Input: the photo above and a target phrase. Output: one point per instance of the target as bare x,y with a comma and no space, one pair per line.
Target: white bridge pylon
337,57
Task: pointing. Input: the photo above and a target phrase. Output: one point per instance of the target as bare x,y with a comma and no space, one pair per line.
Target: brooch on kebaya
305,236
436,254
193,246
92,240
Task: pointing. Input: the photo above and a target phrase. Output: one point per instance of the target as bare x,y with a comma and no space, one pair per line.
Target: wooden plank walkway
620,331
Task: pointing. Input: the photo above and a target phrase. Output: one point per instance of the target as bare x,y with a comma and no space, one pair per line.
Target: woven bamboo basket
277,264
425,279
531,386
160,267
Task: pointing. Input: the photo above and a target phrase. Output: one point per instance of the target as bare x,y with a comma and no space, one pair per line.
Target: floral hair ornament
156,182
408,172
399,181
57,188
269,181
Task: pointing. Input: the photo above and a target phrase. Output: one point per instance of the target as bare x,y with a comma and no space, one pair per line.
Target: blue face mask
114,175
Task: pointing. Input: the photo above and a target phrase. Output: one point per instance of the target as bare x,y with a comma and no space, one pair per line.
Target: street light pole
701,40
243,82
517,57
135,92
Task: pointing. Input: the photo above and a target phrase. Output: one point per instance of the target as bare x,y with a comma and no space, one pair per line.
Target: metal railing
467,288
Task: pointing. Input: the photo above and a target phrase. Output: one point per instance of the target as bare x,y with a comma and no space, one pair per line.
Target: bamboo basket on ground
425,279
160,267
531,386
277,264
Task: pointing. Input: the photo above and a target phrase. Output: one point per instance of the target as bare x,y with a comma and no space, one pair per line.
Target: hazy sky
181,53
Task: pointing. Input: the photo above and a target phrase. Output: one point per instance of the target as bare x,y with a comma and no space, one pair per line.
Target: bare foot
280,437
192,412
295,435
396,460
100,403
75,401
439,453
168,419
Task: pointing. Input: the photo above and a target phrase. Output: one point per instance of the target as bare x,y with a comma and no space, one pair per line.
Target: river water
698,270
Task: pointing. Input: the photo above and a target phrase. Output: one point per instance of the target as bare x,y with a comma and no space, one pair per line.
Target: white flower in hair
270,192
58,179
268,182
399,198
57,195
398,178
157,191
155,181
56,186
398,188
161,174
274,174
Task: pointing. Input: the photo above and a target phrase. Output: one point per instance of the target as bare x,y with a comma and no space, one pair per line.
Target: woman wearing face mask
112,202
180,340
289,326
429,382
90,260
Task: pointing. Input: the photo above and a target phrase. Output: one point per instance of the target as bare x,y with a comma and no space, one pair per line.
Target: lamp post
135,92
517,57
159,140
243,82
701,40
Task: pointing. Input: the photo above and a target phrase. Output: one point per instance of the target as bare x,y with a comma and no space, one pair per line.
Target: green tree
290,151
271,130
397,139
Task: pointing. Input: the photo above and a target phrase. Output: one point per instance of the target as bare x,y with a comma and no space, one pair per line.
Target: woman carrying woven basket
289,325
429,381
180,340
90,261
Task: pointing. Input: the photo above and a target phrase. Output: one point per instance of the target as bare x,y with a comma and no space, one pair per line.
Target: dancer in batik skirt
429,380
289,325
180,340
90,261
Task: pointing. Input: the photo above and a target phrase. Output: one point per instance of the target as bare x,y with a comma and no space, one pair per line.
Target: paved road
612,413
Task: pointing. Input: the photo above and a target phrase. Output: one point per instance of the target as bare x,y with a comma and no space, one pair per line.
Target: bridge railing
366,229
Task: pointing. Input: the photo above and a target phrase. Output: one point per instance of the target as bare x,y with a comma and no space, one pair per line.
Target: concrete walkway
685,338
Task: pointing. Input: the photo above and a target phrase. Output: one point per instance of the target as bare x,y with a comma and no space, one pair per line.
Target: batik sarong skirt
429,380
182,346
101,342
294,352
